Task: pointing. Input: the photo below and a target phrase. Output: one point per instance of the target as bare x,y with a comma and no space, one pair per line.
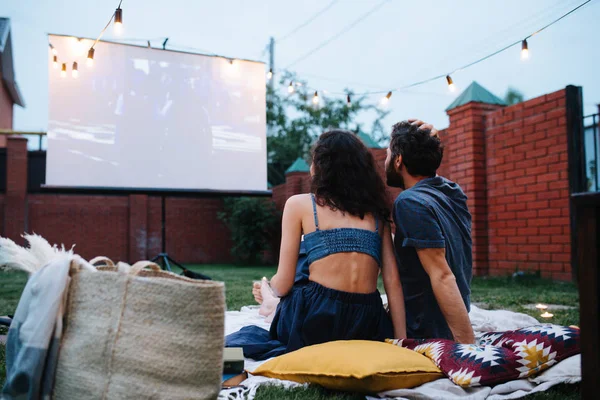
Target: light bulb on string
348,101
451,84
291,87
63,71
75,72
315,98
53,49
270,74
90,57
118,20
386,99
524,50
231,61
55,62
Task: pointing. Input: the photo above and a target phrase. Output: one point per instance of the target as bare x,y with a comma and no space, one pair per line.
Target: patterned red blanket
499,356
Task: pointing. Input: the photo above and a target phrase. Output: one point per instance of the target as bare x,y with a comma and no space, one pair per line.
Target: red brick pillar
465,164
138,227
16,188
294,183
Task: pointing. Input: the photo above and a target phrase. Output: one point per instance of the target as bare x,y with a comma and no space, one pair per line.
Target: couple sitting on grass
337,239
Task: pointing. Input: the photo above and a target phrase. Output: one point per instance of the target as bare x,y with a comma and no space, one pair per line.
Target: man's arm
447,294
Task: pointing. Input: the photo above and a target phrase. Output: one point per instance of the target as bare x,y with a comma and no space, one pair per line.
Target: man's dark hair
421,153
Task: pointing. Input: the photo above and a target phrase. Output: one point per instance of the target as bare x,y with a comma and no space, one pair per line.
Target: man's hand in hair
424,125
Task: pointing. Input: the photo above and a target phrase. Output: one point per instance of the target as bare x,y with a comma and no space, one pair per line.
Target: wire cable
473,62
337,35
308,21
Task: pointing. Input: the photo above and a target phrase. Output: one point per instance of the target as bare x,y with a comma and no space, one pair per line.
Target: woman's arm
291,232
393,287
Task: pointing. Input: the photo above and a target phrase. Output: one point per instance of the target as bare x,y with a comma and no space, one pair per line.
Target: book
233,361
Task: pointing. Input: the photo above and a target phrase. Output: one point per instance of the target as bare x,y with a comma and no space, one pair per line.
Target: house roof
368,140
298,166
6,63
475,93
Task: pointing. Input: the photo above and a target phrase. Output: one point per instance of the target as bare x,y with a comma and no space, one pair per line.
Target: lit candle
547,315
541,306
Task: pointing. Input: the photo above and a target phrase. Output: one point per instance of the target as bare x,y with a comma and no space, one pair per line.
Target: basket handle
106,260
140,265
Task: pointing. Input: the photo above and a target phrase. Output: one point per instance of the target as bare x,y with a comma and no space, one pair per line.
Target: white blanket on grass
567,371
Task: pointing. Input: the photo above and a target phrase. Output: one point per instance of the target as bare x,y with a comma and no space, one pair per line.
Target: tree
294,122
513,96
253,222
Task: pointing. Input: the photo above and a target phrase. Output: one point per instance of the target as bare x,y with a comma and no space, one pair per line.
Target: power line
340,33
311,19
471,63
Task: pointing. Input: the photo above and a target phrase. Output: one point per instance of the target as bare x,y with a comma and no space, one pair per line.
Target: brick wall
96,225
528,190
122,227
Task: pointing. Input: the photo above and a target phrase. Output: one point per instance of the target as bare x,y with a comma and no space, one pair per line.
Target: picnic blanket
565,369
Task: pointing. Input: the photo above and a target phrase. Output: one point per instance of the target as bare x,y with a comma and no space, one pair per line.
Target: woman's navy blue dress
311,313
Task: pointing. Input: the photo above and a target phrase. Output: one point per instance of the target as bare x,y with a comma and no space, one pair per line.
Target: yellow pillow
357,365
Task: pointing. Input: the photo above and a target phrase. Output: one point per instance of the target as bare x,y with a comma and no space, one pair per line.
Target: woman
348,242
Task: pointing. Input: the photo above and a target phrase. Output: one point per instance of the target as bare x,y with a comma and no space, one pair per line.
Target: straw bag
140,334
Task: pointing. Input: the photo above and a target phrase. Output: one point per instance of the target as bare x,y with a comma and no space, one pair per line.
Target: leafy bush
253,223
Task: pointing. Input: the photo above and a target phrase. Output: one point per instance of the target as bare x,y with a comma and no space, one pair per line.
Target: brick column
465,164
138,227
16,189
294,183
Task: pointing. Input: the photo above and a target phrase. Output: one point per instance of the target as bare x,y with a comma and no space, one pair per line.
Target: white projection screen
145,118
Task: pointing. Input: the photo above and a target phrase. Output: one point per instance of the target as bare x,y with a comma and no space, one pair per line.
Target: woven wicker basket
132,333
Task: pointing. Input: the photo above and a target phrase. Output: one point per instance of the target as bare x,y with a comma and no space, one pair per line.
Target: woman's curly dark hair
345,177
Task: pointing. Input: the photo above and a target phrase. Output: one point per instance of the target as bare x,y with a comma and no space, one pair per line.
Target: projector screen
156,119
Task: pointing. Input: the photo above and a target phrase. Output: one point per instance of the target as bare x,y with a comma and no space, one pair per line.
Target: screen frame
90,190
58,189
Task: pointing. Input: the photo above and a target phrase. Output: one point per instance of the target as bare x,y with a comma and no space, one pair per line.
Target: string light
291,87
90,57
386,99
53,49
315,98
63,71
118,19
451,84
75,72
524,50
270,74
348,102
55,62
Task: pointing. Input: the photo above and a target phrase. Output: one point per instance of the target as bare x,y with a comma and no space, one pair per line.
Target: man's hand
424,125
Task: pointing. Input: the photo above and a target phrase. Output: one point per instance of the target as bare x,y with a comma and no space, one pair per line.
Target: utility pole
272,62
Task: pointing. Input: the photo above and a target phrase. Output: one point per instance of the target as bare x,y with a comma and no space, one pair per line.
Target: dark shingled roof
6,63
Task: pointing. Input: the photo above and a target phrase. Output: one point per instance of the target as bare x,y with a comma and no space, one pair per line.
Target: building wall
6,111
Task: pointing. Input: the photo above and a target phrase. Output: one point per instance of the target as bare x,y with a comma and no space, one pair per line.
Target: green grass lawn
495,292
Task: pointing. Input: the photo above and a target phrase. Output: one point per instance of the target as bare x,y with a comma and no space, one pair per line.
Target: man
432,237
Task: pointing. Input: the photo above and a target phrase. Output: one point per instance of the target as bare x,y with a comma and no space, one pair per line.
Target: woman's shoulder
299,201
